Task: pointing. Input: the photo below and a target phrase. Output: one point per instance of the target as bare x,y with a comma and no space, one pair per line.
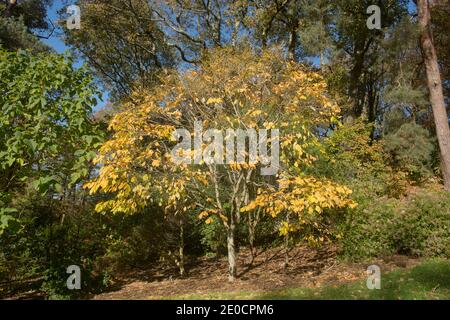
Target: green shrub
422,228
418,226
366,230
49,240
411,150
214,238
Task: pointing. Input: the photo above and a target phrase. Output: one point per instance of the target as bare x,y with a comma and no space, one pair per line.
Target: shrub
410,149
418,225
353,159
49,240
214,238
422,228
365,230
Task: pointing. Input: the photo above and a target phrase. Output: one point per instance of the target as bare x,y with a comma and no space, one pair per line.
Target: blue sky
54,41
58,45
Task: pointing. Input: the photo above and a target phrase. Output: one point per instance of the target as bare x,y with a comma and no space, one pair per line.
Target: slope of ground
308,269
427,281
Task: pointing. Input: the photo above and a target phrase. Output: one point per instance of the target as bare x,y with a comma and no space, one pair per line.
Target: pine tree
435,87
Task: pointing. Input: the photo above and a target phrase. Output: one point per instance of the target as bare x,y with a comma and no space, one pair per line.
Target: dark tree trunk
357,83
292,43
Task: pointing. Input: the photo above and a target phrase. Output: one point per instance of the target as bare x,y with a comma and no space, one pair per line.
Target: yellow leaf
155,163
214,100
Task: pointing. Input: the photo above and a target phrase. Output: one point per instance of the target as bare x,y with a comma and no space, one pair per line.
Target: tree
441,39
46,134
240,91
23,22
15,35
122,43
411,150
34,12
435,88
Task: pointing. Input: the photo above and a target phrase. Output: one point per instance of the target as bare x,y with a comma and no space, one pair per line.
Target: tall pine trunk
435,87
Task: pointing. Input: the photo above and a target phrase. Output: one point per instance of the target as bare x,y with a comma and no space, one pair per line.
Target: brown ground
308,268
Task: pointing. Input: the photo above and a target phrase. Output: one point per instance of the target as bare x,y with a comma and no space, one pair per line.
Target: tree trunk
292,43
286,251
435,87
286,245
253,220
251,240
181,249
231,250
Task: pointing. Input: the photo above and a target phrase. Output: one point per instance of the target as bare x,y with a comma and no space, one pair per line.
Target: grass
429,280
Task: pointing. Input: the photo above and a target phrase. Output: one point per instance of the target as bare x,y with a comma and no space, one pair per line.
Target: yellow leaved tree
277,105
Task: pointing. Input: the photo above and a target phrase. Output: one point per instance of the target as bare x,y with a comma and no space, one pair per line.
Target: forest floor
429,280
308,269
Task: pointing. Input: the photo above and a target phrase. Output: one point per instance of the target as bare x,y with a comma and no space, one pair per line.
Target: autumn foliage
241,90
